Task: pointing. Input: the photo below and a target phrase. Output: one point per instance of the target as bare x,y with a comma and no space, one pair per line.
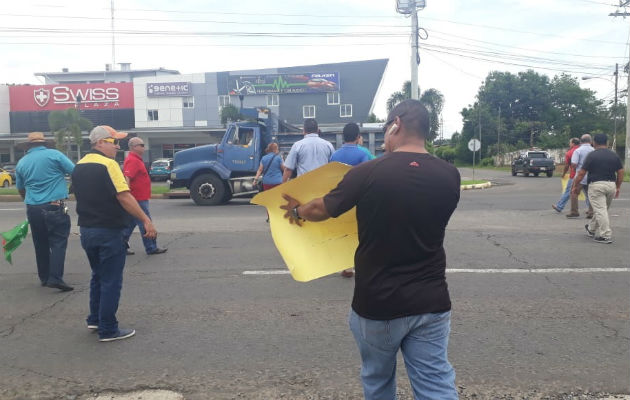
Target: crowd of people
404,201
598,172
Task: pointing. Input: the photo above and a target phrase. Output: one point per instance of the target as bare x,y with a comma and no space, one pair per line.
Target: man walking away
577,159
40,180
139,183
103,201
350,153
605,175
309,153
404,201
574,143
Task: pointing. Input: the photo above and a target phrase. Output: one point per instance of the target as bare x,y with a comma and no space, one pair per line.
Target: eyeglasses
389,122
112,141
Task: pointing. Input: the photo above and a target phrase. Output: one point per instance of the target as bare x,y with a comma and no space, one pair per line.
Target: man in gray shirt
309,153
577,160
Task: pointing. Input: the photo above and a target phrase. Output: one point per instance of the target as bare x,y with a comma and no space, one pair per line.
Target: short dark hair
414,115
350,132
310,125
575,140
600,138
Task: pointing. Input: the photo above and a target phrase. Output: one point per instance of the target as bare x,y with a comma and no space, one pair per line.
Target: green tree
67,126
229,112
432,99
373,118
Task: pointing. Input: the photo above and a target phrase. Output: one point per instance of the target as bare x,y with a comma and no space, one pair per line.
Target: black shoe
61,286
589,232
121,334
602,240
158,251
130,252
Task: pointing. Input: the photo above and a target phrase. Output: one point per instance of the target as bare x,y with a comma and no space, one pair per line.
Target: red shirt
567,160
139,180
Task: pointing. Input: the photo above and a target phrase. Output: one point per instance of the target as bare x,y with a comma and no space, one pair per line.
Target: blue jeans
423,340
105,250
149,244
50,228
565,196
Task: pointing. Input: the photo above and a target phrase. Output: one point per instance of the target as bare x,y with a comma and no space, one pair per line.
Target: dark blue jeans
149,244
50,228
105,250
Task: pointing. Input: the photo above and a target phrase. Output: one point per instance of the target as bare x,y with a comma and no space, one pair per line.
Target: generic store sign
284,83
169,89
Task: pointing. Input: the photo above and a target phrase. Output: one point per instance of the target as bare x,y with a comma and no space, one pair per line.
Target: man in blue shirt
350,153
309,153
40,180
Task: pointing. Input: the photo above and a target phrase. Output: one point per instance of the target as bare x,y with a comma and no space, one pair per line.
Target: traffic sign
474,145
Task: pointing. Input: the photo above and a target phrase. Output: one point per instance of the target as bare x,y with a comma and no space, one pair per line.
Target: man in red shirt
559,206
140,185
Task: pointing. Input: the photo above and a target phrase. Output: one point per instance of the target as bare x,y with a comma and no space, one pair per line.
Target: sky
461,41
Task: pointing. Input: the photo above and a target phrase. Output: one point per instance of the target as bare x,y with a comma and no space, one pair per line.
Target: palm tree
67,125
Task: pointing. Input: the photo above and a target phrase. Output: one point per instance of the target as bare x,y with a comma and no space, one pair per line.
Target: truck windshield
536,155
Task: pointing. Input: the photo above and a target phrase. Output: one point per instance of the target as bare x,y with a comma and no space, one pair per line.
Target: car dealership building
173,111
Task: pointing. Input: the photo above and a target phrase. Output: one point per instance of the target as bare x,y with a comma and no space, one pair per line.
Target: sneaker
572,215
121,334
158,250
604,240
64,287
92,327
555,207
130,252
589,232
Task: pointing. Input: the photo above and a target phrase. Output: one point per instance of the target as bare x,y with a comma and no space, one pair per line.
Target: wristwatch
295,215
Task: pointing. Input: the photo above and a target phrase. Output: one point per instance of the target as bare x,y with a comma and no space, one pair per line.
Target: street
539,309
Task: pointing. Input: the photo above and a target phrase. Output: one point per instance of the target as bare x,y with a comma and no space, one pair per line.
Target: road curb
477,186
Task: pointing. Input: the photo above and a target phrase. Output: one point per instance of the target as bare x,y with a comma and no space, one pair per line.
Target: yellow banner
565,179
315,249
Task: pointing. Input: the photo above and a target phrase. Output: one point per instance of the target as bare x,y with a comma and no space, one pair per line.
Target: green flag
12,239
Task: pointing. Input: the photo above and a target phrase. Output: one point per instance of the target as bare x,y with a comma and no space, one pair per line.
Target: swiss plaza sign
97,96
169,89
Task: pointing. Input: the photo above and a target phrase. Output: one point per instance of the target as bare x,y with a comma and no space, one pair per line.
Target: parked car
10,168
5,179
533,162
161,169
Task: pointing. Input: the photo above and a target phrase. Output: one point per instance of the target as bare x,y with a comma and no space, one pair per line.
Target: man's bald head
586,138
413,115
134,141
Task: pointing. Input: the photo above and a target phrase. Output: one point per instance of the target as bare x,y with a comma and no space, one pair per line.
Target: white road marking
481,271
11,209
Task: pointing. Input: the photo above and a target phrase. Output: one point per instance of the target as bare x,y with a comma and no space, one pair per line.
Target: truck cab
217,172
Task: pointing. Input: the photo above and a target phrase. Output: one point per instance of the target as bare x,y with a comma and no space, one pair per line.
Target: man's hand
151,233
291,204
575,190
617,193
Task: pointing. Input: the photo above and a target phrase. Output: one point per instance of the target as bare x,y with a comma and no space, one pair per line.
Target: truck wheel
5,184
549,174
227,196
207,190
525,173
513,172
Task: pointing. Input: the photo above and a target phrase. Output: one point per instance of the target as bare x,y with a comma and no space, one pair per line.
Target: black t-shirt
404,201
602,165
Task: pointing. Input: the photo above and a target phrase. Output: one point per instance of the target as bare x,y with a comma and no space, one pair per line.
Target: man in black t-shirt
403,201
605,175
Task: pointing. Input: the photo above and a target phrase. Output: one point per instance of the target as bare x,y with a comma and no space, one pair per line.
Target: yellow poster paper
315,249
565,179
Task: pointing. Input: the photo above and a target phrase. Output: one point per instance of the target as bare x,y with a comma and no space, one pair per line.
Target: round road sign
474,145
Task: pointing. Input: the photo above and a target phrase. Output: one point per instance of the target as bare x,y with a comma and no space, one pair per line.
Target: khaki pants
601,194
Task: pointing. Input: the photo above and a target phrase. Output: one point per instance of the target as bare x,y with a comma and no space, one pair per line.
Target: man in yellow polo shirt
103,206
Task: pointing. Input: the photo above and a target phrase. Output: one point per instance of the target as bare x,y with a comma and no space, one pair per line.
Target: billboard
284,83
169,89
85,96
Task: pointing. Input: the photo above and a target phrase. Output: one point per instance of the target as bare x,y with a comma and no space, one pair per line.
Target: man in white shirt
309,153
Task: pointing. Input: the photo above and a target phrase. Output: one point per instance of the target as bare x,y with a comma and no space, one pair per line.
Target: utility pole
113,39
411,7
499,139
624,14
614,142
479,116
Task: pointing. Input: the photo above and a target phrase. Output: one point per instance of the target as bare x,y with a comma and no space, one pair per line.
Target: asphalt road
206,330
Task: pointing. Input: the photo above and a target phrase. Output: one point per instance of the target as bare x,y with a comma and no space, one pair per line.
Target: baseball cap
104,132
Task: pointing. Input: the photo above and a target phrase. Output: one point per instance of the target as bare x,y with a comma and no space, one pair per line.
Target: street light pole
614,142
411,7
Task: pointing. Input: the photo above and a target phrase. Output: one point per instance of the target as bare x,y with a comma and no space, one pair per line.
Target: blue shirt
350,154
42,173
309,153
273,174
579,156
